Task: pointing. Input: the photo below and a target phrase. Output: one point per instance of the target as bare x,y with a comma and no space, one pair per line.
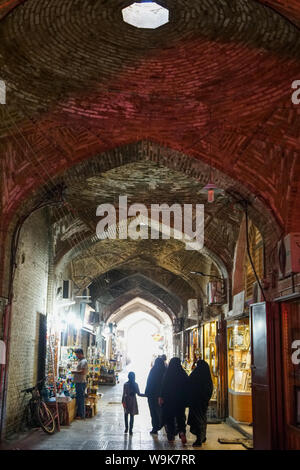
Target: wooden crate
67,411
89,410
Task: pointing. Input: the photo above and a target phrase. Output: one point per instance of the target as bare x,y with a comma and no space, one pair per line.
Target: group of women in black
170,391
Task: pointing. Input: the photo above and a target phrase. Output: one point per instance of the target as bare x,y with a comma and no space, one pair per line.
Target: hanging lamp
211,189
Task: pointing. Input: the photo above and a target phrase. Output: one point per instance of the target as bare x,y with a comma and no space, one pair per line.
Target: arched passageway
97,109
143,332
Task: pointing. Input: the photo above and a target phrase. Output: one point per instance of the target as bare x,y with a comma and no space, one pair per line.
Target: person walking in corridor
200,392
79,379
173,399
129,401
164,358
152,392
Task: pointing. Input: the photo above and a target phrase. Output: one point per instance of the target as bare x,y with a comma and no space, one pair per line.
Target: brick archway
146,151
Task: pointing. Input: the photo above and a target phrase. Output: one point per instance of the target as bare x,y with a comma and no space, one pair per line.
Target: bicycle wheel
45,418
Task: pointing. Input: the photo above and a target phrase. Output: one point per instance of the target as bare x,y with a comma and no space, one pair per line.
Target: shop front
109,357
193,347
210,355
202,342
239,370
68,330
239,336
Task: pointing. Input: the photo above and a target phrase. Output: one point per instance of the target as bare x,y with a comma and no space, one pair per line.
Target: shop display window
239,357
194,345
193,349
210,353
239,370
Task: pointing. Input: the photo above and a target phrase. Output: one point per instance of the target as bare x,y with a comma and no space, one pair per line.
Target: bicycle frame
35,404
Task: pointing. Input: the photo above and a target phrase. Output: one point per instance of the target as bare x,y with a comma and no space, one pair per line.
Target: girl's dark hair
131,377
131,380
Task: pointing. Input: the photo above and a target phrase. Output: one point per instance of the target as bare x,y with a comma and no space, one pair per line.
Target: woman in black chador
152,392
200,392
173,399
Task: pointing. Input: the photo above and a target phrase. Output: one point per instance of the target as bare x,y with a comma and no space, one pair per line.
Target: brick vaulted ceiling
111,288
213,84
141,180
157,269
146,172
288,8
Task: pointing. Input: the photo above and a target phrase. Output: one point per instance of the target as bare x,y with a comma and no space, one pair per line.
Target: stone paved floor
106,431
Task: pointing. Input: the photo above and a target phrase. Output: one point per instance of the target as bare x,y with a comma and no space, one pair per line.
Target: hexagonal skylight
148,15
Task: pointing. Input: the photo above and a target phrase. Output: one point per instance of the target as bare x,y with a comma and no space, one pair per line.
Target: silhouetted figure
129,401
200,392
164,358
173,398
152,392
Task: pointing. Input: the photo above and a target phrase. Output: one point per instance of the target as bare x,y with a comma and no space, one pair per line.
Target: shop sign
2,92
238,304
192,309
289,255
88,315
157,337
2,352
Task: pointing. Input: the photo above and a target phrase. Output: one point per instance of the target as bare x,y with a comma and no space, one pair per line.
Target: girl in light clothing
129,401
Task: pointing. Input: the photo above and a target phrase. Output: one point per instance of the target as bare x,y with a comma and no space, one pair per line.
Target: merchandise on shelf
187,365
210,353
239,357
239,370
108,374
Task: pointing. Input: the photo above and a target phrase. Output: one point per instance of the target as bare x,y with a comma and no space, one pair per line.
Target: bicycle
38,412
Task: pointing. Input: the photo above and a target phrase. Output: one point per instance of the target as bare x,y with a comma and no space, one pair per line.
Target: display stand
93,383
211,354
56,410
108,374
108,378
66,411
239,371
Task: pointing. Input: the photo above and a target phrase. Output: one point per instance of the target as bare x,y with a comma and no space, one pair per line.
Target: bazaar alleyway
150,207
106,431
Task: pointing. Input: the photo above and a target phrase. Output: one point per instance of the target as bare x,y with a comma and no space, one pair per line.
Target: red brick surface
213,84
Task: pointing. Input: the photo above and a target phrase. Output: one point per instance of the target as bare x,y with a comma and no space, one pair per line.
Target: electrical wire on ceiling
244,203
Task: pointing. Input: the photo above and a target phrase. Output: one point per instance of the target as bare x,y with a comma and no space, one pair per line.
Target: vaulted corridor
150,210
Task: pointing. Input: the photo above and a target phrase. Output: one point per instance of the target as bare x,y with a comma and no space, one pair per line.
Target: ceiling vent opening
147,15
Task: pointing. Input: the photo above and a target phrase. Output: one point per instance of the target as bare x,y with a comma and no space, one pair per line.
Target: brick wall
30,295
